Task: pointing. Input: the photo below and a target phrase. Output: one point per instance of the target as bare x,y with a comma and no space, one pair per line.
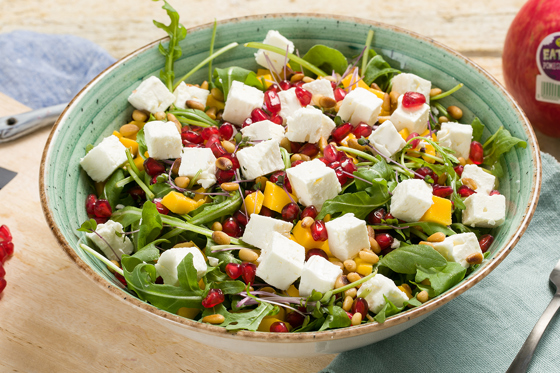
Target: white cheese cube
411,199
378,287
101,161
347,236
309,124
163,140
457,137
484,211
167,264
313,183
321,87
199,159
415,120
241,100
458,247
151,95
117,245
318,274
484,181
360,105
403,83
289,103
264,130
260,159
283,262
258,231
386,139
184,92
276,39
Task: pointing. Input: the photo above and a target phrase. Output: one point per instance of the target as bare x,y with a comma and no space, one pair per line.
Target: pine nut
295,157
285,143
115,263
217,94
129,130
228,146
268,289
337,106
211,112
172,118
229,187
375,86
193,104
214,319
426,243
204,85
383,119
422,296
175,166
353,277
443,119
296,77
394,96
221,238
350,265
182,181
322,143
341,281
436,237
219,115
354,144
475,258
407,289
370,231
368,257
435,92
455,112
347,304
261,180
307,222
374,245
352,292
305,157
224,164
308,79
160,115
217,226
326,102
327,218
462,161
356,319
442,179
139,116
470,183
248,255
386,106
337,262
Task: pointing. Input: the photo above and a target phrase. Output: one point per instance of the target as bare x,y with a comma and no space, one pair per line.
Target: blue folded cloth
483,329
41,70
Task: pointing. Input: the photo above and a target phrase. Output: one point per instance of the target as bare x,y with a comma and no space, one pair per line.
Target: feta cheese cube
184,92
403,83
151,95
283,262
457,137
318,274
360,105
386,139
289,103
163,140
101,161
276,39
241,100
313,183
484,211
458,247
347,236
321,87
309,124
199,159
411,199
415,120
168,261
258,231
484,181
264,130
378,287
117,245
260,159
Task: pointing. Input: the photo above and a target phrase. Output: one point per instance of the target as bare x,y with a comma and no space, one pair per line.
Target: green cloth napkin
483,329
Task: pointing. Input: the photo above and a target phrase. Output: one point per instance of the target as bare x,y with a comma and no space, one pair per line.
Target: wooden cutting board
55,319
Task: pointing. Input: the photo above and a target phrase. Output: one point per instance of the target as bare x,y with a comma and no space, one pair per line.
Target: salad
317,192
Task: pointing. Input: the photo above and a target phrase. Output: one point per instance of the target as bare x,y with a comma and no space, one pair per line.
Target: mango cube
267,322
429,149
362,267
254,202
439,212
404,133
130,144
304,238
292,291
139,162
118,134
179,203
348,80
275,197
326,248
344,141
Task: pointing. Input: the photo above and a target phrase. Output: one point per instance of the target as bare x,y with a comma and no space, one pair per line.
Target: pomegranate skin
535,20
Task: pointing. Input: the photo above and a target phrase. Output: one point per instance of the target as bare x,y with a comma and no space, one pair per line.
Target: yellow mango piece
139,162
344,141
292,238
379,94
439,212
348,80
267,321
292,291
326,248
146,154
406,291
362,267
189,313
118,134
304,238
130,144
254,202
211,101
201,197
275,197
262,72
268,80
404,133
429,149
138,124
179,203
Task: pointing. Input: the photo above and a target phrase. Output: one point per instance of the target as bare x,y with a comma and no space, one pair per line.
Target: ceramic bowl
102,107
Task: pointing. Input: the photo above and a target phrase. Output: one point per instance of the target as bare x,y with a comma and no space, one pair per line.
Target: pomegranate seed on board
5,233
223,176
285,85
389,216
2,285
349,315
360,305
384,240
319,252
362,130
7,249
153,167
102,208
319,231
310,211
339,94
240,217
330,153
413,100
90,203
226,131
442,191
247,122
295,319
272,101
230,227
494,192
258,115
323,160
341,157
288,185
459,170
154,180
297,163
341,132
248,272
476,153
233,270
278,327
290,212
214,297
2,271
334,165
309,149
465,191
485,242
304,96
209,132
414,143
192,137
212,140
161,208
375,216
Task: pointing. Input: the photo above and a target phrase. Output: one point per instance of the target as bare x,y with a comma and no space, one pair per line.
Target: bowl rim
327,335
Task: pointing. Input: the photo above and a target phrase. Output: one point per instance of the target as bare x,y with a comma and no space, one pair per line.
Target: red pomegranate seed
290,212
425,172
295,319
362,130
233,270
214,139
319,252
334,165
223,176
412,100
375,216
295,146
304,96
319,231
459,170
102,208
100,220
230,227
349,166
161,208
153,167
477,152
208,132
137,193
90,203
339,94
247,122
494,192
485,242
288,185
2,285
218,150
214,297
187,144
384,240
297,163
274,87
275,118
272,102
154,180
265,211
341,132
7,247
248,272
414,143
258,115
465,191
192,137
2,271
341,157
360,305
389,216
310,211
349,315
226,131
278,327
330,153
240,217
285,85
274,177
342,178
233,160
309,149
5,233
442,191
323,160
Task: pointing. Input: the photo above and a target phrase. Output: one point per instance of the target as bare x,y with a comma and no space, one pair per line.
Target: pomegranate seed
90,203
330,153
295,146
274,87
341,157
310,150
161,208
349,166
341,132
304,96
425,172
288,185
413,100
214,139
465,191
230,227
5,233
226,131
196,129
285,85
333,85
240,217
319,231
2,271
295,319
290,212
247,122
310,211
319,252
7,247
360,305
334,165
248,272
187,144
100,220
485,242
137,193
102,208
342,178
214,297
223,176
442,191
296,163
272,102
278,327
233,160
218,150
2,285
362,130
349,314
375,216
208,132
275,118
384,240
192,137
477,152
459,170
154,180
233,270
265,211
414,143
324,161
494,192
120,278
274,177
258,115
153,167
389,216
339,94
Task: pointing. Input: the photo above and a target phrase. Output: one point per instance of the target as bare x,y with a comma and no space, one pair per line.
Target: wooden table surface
54,319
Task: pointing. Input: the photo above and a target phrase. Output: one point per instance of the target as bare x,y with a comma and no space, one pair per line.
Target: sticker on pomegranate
548,61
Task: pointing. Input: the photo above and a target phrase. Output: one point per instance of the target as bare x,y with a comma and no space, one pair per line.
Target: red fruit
414,143
339,94
231,227
226,131
389,216
413,100
272,102
362,130
290,212
233,270
342,177
341,132
485,242
424,172
310,211
275,118
100,220
330,153
309,149
304,96
341,157
319,252
2,271
5,233
477,153
208,132
248,272
137,193
154,180
459,170
187,144
161,208
258,115
384,240
223,176
375,216
90,203
153,167
295,319
285,85
214,297
296,163
265,211
274,87
323,160
278,327
494,192
2,285
274,177
442,191
349,166
247,122
465,191
319,231
214,139
349,315
360,305
240,217
102,208
233,160
288,185
295,146
7,247
192,137
218,150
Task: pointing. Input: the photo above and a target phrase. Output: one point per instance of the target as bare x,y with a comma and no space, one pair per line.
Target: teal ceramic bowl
102,107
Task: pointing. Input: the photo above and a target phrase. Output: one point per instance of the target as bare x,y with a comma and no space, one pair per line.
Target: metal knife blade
14,126
6,176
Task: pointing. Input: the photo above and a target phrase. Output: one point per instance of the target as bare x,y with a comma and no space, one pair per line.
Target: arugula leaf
389,309
229,287
407,259
213,211
142,147
499,143
244,320
127,216
441,279
194,116
360,203
224,78
88,226
148,253
151,224
430,228
461,228
325,58
379,71
377,172
337,318
111,190
478,128
187,274
224,257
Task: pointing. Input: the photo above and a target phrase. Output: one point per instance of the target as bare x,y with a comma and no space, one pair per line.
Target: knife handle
14,126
